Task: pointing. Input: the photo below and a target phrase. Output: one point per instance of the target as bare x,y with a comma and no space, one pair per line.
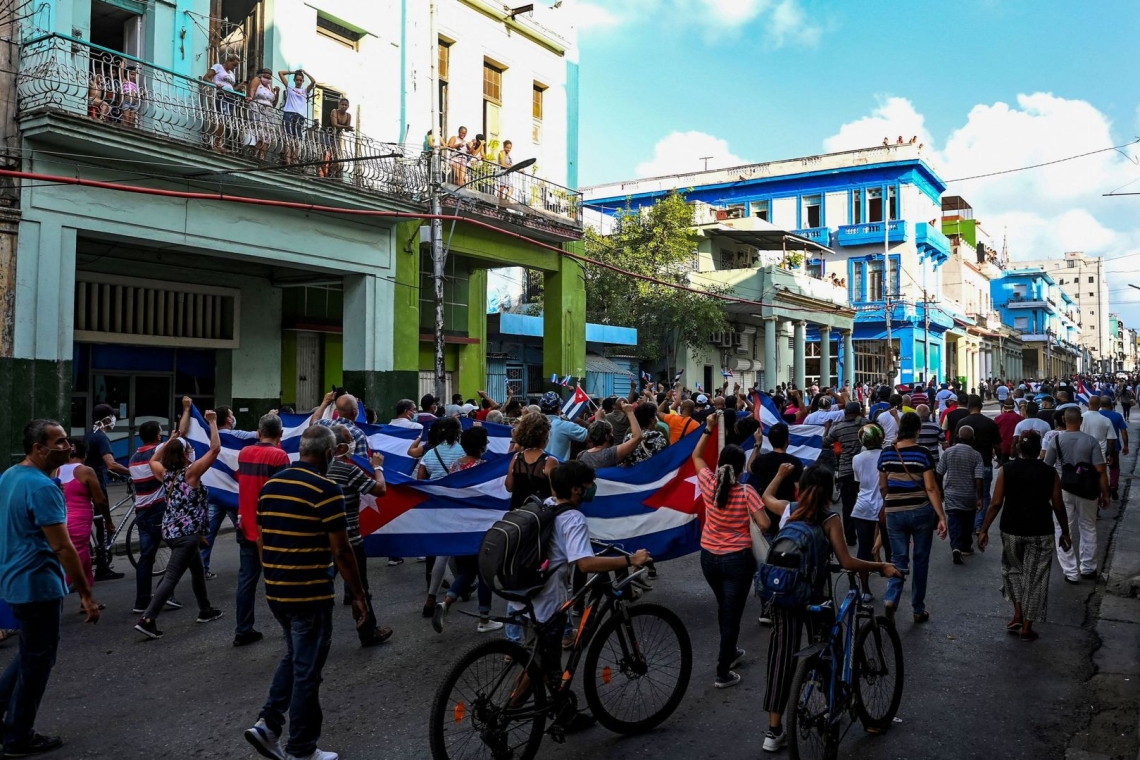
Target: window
443,74
1061,281
875,281
1092,295
1021,323
760,210
893,202
1071,264
1090,280
327,27
874,204
857,282
812,213
536,112
492,100
856,206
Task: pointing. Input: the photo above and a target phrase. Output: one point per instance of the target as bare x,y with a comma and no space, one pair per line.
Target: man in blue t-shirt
101,459
35,551
1121,428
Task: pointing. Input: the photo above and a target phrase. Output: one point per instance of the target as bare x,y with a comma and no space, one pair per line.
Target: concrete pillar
564,319
473,356
849,358
824,356
799,344
367,349
769,353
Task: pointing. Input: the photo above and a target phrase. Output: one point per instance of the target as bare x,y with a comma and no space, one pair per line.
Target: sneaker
209,616
868,597
1089,576
265,740
379,636
738,659
958,557
174,604
393,561
252,637
429,608
148,628
775,739
210,576
967,552
421,559
1073,581
139,610
726,683
437,617
105,575
37,744
489,627
318,754
764,620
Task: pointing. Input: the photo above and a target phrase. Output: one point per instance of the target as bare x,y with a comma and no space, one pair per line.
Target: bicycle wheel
878,674
636,673
134,550
488,707
810,737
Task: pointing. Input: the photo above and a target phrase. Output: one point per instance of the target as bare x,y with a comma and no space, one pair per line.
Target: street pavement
971,690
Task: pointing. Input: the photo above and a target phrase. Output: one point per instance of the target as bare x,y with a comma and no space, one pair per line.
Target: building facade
1083,278
864,206
1030,301
169,236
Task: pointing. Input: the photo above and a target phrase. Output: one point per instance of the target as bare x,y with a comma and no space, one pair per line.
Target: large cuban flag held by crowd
655,505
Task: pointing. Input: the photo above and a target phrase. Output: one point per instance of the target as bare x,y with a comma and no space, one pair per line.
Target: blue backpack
796,566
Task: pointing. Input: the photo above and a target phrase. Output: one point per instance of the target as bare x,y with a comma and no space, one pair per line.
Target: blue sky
987,84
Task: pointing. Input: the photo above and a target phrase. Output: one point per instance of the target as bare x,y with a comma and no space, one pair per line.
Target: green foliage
793,259
658,243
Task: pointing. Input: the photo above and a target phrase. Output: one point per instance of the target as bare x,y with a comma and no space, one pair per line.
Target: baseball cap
702,399
467,408
852,408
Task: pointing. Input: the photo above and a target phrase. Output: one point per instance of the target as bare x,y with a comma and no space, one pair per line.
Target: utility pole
926,336
887,292
436,182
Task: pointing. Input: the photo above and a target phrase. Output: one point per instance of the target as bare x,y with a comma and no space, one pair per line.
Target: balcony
931,242
821,235
78,95
872,233
802,284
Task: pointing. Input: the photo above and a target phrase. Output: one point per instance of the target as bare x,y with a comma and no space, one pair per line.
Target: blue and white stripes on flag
1082,394
449,516
677,377
573,406
805,441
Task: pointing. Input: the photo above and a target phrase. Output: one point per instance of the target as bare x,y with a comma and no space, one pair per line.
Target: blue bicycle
855,669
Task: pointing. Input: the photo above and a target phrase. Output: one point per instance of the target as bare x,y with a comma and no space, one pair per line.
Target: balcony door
116,28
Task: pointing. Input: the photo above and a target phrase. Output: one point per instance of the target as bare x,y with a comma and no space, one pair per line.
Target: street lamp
439,252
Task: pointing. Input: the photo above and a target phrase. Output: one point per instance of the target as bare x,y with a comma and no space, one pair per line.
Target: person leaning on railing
221,75
261,97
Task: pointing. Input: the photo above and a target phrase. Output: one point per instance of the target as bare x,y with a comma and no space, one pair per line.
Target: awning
600,364
769,240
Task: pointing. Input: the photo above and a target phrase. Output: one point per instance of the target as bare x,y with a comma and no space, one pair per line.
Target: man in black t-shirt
100,459
764,466
1047,411
987,442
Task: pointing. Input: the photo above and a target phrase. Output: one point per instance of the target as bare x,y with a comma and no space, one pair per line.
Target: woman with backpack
808,528
726,544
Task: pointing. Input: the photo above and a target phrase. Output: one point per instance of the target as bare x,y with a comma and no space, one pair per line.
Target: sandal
1013,627
8,633
1029,636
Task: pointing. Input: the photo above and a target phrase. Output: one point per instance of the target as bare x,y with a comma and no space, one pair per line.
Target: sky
986,85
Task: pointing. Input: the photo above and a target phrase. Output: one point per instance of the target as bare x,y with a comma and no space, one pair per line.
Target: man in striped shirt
846,435
930,434
303,532
150,506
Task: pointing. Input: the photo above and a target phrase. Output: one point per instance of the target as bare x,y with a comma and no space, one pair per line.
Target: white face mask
107,423
350,448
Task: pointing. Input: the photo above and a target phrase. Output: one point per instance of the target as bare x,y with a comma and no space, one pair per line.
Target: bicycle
494,702
132,543
856,669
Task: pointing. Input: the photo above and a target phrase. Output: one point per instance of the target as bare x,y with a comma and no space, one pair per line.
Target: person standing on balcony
341,121
129,106
457,146
221,75
296,109
506,162
261,99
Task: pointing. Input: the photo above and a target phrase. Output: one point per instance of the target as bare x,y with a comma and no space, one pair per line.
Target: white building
1083,278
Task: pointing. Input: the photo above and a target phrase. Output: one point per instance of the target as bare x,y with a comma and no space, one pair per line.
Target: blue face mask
590,493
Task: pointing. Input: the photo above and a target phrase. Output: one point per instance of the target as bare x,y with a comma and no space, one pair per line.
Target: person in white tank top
296,109
261,99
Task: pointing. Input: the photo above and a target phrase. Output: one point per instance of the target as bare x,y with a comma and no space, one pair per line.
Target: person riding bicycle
572,484
813,499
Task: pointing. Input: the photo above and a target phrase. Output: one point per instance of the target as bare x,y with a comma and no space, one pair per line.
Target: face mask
58,457
107,423
350,448
590,493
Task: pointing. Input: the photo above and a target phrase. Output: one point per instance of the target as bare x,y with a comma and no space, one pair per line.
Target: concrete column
564,319
824,356
849,358
368,347
769,353
799,344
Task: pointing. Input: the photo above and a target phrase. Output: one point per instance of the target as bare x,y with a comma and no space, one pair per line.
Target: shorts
294,124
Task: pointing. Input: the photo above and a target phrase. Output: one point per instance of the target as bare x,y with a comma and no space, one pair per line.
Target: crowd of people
897,467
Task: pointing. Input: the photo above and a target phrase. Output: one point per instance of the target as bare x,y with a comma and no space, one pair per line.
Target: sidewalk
1113,728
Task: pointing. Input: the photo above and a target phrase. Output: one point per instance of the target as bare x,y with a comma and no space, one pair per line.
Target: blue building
863,206
1031,302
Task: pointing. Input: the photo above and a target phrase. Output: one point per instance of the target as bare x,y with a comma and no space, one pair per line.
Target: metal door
308,370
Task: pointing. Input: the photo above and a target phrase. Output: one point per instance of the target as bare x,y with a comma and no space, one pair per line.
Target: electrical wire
1046,163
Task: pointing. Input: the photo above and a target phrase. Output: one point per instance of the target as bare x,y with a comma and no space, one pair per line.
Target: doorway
117,29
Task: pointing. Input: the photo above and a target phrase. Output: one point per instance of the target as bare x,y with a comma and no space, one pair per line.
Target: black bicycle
132,544
494,702
855,670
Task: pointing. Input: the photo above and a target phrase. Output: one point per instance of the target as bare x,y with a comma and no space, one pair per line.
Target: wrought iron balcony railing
59,74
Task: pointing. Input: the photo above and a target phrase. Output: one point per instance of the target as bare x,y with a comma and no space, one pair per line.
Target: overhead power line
1046,163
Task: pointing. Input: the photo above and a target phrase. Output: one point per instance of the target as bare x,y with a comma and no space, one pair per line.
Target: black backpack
515,550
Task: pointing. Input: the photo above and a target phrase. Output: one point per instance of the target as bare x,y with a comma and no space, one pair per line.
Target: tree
656,242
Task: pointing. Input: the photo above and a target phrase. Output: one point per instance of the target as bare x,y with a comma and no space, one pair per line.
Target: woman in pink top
80,490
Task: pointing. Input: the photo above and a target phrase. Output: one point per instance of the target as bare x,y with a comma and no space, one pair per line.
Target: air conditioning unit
728,339
737,340
716,338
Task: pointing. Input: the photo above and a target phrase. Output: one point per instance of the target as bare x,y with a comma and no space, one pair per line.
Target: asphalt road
971,690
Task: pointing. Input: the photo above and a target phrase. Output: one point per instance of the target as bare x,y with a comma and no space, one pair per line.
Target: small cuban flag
574,404
726,373
647,377
566,381
554,378
677,377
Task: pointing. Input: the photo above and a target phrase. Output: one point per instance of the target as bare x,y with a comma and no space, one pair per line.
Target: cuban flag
804,441
646,377
574,404
726,372
677,377
566,381
1082,395
554,378
655,505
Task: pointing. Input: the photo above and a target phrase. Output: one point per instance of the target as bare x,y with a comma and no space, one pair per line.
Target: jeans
466,577
297,682
149,523
730,576
25,679
987,487
848,494
961,525
217,517
1082,531
249,573
183,556
911,528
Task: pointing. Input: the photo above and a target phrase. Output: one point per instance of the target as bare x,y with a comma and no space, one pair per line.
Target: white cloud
783,21
681,152
1044,211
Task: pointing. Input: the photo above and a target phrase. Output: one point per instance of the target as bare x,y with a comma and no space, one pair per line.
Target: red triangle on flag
683,492
397,501
580,396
